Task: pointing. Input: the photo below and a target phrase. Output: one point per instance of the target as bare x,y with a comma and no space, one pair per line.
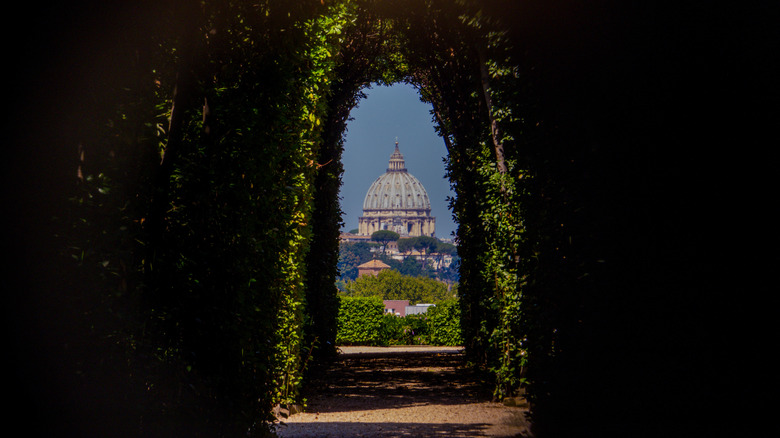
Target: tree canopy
383,237
353,254
392,285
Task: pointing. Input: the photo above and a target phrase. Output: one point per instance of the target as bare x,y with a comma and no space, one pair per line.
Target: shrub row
361,321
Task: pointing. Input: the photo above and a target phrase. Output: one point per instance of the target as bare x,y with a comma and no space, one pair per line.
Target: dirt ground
415,391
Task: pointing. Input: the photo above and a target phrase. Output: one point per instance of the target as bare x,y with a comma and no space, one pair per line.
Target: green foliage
360,321
352,255
411,267
383,237
406,245
407,330
444,324
231,268
440,325
392,285
218,264
425,243
212,260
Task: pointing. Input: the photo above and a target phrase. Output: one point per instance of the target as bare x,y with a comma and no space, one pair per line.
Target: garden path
416,391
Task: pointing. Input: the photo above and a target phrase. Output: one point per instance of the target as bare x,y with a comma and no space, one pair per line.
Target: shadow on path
398,380
387,429
418,393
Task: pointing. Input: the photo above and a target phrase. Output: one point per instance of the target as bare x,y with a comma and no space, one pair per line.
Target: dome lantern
396,161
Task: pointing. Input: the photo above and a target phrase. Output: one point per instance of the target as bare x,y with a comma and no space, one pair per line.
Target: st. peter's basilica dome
397,201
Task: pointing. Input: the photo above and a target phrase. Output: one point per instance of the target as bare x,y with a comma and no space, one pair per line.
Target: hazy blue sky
387,113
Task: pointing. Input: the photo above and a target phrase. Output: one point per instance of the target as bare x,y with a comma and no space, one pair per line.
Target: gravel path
403,392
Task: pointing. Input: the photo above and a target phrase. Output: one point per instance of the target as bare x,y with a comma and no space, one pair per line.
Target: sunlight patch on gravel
465,420
403,391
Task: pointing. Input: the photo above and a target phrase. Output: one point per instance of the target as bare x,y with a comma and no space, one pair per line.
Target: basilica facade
397,201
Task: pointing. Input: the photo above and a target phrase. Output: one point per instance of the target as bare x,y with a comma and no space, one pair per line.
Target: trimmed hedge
444,324
360,321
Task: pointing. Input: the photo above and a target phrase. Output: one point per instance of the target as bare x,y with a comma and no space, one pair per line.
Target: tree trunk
498,146
182,103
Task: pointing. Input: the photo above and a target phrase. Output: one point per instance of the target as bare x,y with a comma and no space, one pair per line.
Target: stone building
372,267
397,201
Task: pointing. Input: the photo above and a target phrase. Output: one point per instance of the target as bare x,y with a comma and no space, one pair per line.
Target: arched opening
388,114
196,231
443,58
219,168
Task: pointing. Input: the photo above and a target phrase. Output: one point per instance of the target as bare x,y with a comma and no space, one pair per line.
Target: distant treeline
353,254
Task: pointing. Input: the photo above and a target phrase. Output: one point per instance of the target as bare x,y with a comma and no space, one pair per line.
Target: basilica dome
397,201
396,189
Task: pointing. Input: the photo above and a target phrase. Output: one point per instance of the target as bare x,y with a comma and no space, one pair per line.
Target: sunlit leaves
392,285
234,278
360,321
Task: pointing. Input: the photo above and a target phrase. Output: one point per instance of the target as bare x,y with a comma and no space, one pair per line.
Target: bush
444,324
392,285
360,321
392,330
410,330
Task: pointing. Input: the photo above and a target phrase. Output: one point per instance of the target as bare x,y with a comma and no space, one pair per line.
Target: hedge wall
444,324
360,321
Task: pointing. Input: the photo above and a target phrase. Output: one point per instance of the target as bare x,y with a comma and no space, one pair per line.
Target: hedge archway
189,203
205,199
448,59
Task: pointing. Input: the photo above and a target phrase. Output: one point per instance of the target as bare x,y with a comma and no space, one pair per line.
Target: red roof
374,264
